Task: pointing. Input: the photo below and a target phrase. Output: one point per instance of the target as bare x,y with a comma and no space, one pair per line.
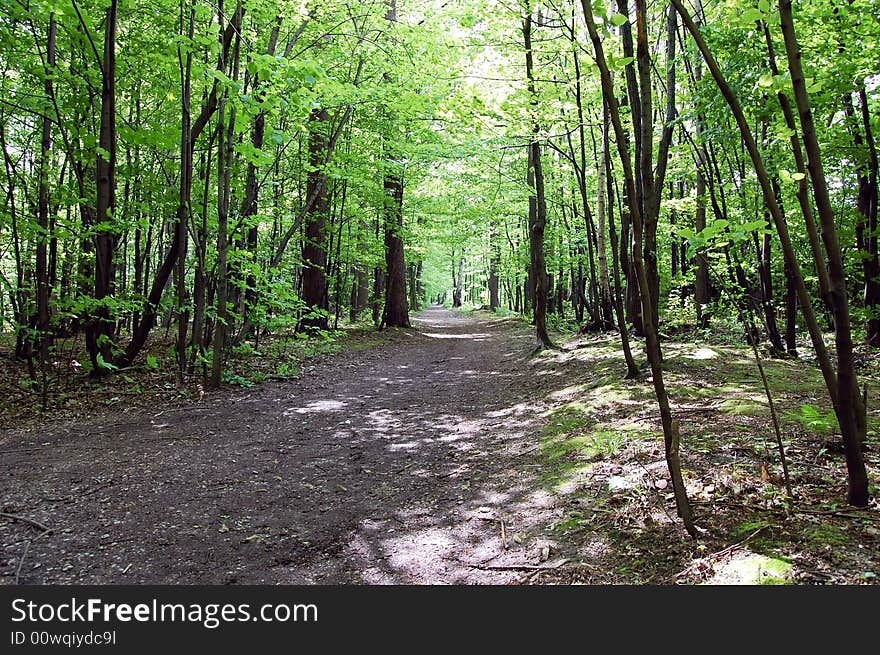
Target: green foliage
237,380
816,420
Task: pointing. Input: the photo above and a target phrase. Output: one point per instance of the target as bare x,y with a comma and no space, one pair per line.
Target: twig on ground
721,553
851,514
731,548
24,519
20,450
27,547
522,567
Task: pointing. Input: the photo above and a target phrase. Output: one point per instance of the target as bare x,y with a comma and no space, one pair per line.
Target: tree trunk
494,265
99,334
632,369
160,280
396,312
537,205
831,379
42,264
314,280
851,414
867,209
652,344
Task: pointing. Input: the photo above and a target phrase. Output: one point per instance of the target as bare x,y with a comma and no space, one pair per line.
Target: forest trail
406,464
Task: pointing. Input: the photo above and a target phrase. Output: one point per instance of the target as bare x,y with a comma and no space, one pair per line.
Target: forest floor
442,454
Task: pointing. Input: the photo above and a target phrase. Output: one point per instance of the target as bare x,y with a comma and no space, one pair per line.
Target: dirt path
412,463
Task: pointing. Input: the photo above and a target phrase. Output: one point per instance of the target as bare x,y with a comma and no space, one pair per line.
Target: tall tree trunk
99,334
314,282
702,289
652,343
604,283
184,207
537,204
225,142
803,193
378,295
396,311
830,376
201,243
494,265
632,369
457,279
791,300
42,263
851,412
866,205
160,279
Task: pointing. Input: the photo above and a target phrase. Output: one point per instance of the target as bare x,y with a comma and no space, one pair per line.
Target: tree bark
42,263
652,344
314,280
851,412
537,205
831,378
396,312
99,333
160,280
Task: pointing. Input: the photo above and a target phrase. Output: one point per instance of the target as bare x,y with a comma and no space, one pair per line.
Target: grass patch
827,534
743,407
566,434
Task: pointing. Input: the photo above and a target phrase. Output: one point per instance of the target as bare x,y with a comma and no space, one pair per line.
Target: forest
439,291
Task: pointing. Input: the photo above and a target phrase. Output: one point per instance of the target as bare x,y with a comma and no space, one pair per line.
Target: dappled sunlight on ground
318,406
452,460
476,336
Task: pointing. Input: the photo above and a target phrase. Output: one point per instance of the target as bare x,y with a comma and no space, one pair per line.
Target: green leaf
751,16
104,364
619,19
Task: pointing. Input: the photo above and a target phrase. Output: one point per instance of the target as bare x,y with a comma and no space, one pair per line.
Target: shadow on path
411,464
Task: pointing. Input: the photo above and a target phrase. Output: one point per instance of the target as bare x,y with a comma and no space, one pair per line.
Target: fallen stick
27,547
733,547
20,450
522,567
725,551
24,519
